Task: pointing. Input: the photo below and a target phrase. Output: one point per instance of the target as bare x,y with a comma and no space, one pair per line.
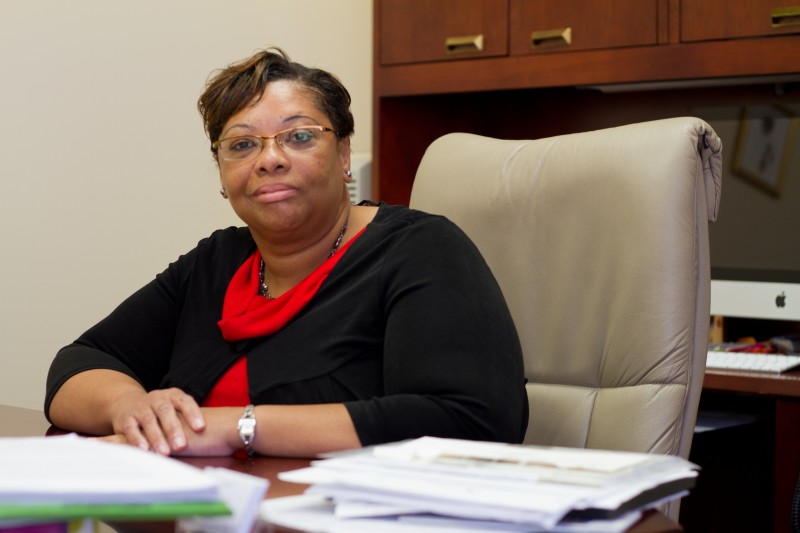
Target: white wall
106,174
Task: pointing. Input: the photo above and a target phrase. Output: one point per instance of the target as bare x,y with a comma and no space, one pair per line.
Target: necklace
263,289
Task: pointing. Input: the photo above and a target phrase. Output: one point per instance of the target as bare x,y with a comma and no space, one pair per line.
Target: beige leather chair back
599,241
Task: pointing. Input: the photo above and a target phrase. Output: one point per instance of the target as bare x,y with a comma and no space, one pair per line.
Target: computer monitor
755,243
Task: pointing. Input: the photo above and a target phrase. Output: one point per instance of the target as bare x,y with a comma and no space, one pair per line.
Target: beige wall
106,174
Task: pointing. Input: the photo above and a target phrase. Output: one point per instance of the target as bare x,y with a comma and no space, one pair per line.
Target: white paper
74,470
317,515
433,448
489,482
468,493
311,514
359,509
242,494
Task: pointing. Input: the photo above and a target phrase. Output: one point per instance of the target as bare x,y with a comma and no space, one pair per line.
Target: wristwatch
247,428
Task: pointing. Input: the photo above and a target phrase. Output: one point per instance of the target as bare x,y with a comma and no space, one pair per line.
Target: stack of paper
67,477
528,487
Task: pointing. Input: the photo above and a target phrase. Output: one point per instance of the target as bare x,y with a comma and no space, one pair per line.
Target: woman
344,325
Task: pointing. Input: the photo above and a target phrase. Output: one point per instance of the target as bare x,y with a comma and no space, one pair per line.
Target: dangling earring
223,193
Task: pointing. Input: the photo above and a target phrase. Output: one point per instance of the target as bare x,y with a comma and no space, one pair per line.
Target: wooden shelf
769,56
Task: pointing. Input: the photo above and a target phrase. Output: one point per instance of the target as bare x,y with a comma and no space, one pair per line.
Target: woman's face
286,194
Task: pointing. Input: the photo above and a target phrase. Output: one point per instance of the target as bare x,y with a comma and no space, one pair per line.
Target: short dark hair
235,87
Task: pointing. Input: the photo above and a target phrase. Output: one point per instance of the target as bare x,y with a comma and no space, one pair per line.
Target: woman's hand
218,439
160,420
281,431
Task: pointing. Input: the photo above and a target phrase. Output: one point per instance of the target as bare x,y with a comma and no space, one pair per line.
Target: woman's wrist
246,427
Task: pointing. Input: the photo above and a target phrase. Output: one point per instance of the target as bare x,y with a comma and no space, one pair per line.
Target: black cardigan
410,331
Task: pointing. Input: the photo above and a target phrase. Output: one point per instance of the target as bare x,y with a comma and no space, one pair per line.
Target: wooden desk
19,422
782,394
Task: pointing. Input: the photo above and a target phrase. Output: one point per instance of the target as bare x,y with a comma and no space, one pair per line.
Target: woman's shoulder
400,215
415,224
232,236
230,245
404,227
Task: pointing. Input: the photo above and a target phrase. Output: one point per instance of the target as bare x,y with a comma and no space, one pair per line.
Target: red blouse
246,314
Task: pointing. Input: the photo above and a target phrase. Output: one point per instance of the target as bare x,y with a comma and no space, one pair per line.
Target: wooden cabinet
417,31
570,25
735,20
629,61
438,30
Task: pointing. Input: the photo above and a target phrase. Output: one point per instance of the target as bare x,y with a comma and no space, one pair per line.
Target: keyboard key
754,362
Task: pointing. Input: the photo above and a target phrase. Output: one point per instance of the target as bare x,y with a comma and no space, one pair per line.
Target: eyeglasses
299,139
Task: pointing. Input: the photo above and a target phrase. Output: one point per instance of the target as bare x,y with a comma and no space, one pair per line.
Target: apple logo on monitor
780,300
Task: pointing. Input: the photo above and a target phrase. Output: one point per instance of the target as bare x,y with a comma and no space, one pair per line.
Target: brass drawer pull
559,38
785,16
464,44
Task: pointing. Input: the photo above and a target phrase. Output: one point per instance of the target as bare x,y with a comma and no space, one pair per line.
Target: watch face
247,427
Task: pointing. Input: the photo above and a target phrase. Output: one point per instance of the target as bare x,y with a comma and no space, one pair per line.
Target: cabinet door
703,20
537,26
413,31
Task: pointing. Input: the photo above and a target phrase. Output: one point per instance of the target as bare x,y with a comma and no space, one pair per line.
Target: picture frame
763,148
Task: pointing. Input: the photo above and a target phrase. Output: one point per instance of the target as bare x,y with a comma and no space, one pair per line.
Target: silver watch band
247,428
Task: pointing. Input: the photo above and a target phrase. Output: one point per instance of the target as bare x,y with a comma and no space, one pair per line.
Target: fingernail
177,442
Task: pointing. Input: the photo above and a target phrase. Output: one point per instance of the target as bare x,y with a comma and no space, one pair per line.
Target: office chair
599,241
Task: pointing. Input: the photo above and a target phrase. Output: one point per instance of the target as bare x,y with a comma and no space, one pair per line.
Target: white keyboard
754,362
